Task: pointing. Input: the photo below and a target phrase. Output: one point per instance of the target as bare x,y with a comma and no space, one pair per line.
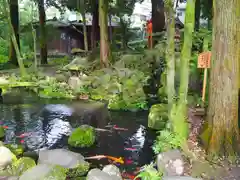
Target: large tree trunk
158,17
105,52
95,24
222,113
42,22
170,53
14,14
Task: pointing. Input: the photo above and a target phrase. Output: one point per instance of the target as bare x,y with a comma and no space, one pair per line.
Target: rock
83,136
22,165
31,154
44,172
112,171
158,116
9,178
179,178
16,149
2,132
171,163
73,162
97,174
6,157
74,82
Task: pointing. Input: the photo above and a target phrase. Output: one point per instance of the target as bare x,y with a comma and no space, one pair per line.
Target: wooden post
204,84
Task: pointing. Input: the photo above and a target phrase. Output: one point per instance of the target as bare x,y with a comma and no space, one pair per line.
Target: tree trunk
14,40
95,24
197,14
179,110
105,53
222,113
14,14
83,13
158,17
42,22
170,53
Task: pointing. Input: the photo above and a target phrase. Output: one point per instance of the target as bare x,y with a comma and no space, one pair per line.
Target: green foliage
22,165
83,136
149,173
15,149
59,61
78,171
166,141
2,132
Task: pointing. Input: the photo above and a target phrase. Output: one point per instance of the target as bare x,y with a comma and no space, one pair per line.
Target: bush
83,136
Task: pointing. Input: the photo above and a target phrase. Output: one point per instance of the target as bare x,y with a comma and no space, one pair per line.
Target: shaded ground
203,168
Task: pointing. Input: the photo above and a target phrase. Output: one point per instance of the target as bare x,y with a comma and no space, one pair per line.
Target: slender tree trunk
170,53
83,13
110,27
43,42
179,110
14,14
105,52
14,40
222,113
158,17
95,24
197,14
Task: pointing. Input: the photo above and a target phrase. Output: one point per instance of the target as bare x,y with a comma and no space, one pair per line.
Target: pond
48,123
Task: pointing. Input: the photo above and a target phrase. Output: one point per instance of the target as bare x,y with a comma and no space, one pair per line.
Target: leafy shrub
166,140
149,173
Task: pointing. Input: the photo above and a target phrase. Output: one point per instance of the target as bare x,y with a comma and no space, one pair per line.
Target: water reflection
49,126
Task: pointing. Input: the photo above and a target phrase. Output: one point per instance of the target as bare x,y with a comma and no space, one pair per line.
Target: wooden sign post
204,62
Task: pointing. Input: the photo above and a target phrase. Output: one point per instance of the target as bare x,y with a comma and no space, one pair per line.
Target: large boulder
83,136
74,163
158,116
6,157
44,172
74,82
171,163
97,174
112,171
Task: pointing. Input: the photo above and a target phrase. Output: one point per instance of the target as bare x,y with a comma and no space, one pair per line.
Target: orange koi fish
114,159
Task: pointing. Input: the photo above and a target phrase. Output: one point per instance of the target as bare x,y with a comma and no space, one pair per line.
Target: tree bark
95,24
158,17
197,14
14,14
83,13
222,115
170,53
105,53
43,34
179,110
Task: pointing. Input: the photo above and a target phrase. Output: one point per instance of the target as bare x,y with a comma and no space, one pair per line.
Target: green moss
2,132
22,165
83,136
79,171
158,116
15,149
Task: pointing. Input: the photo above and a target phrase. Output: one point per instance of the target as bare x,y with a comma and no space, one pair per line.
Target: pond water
49,123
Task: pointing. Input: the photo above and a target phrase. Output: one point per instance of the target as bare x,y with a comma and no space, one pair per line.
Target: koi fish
128,161
23,135
130,149
129,176
5,127
114,159
102,130
22,141
119,129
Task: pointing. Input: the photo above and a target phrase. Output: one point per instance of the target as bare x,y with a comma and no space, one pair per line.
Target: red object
149,32
24,135
118,128
130,149
128,161
5,127
22,141
129,176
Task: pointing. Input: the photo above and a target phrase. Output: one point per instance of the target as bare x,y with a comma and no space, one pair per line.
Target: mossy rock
16,149
22,165
45,172
79,171
158,116
2,132
83,136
